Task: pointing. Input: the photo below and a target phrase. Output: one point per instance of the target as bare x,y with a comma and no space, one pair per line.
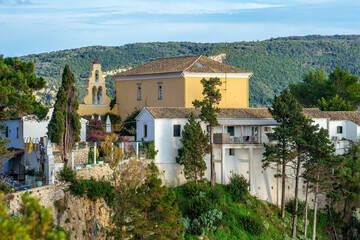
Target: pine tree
64,126
283,110
17,85
33,221
319,169
303,136
192,153
154,214
209,110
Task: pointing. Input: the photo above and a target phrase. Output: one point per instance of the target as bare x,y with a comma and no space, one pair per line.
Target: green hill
275,62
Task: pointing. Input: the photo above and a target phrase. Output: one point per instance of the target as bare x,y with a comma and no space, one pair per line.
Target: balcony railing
225,138
245,140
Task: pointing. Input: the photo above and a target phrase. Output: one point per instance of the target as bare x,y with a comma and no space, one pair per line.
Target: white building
239,140
19,131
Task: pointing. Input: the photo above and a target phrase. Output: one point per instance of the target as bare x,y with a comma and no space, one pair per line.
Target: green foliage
290,207
128,127
33,222
334,104
4,188
196,206
17,85
148,147
67,174
78,188
349,179
64,126
94,189
35,173
238,187
212,98
337,93
295,55
192,153
91,156
192,189
152,213
100,189
251,224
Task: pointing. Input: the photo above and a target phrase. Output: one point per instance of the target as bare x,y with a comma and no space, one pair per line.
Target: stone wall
84,219
81,157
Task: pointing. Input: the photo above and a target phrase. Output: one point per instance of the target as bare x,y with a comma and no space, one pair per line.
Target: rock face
84,219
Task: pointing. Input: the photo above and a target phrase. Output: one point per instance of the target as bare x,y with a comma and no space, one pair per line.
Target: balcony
245,140
225,138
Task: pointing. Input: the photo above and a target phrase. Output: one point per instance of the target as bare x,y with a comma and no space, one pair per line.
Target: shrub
67,175
214,194
290,207
198,205
208,221
98,189
211,219
251,224
192,189
91,155
5,188
78,188
238,187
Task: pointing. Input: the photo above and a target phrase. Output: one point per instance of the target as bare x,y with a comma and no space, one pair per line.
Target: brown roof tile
246,113
196,63
353,116
251,113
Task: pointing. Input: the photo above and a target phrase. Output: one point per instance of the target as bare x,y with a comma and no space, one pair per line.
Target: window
208,128
97,76
231,152
339,129
145,130
17,132
160,91
94,97
7,131
99,96
138,91
267,129
177,131
230,130
254,131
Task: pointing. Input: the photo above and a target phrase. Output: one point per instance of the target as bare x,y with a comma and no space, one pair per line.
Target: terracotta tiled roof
353,116
238,113
196,63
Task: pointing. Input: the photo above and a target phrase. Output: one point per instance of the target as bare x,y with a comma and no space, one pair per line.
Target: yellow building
96,101
175,82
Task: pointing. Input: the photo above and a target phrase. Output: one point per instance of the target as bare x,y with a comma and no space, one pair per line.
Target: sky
37,26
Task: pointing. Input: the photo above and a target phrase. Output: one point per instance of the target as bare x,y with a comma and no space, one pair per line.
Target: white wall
351,131
83,129
333,124
16,140
145,118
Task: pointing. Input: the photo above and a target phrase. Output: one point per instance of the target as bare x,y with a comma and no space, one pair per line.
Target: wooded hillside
275,62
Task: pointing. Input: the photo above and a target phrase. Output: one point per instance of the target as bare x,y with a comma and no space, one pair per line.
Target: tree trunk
306,209
283,189
212,158
296,197
315,209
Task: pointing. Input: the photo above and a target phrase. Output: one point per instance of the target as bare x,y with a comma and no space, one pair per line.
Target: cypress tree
192,153
209,110
64,126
